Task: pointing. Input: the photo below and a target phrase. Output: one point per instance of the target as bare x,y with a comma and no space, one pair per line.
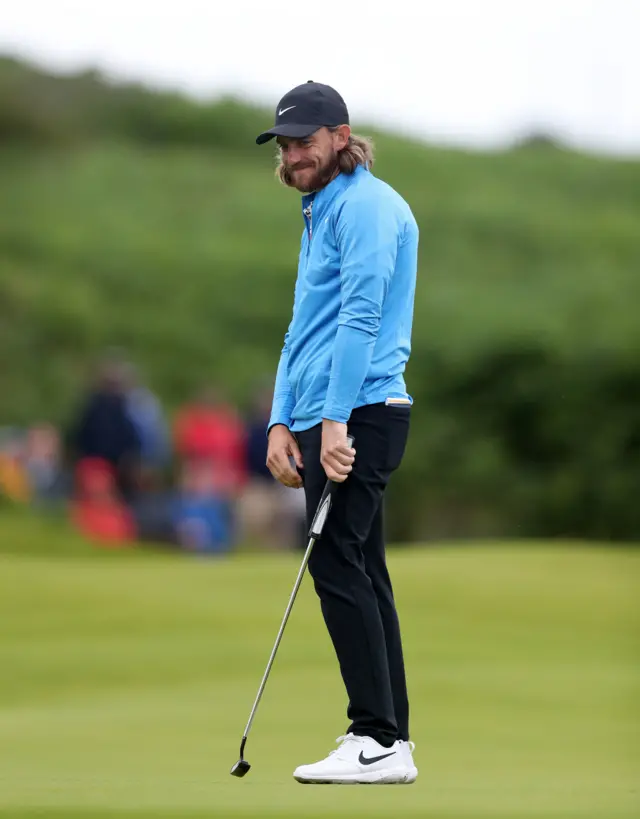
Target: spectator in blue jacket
201,519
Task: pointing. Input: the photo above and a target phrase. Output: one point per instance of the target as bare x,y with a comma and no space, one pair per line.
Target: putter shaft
315,530
296,586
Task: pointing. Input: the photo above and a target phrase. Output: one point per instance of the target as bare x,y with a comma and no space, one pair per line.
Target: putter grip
324,506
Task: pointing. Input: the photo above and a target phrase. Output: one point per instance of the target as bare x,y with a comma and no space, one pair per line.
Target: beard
321,176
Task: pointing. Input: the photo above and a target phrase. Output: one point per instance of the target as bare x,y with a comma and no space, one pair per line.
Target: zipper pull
307,213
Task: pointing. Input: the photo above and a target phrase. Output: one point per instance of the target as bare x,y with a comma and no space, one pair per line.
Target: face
312,163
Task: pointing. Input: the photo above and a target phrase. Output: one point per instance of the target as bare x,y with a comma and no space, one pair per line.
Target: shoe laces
342,741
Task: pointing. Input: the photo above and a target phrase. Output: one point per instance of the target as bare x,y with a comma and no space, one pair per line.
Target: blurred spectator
210,429
145,410
105,430
43,464
14,481
121,453
200,516
269,513
96,509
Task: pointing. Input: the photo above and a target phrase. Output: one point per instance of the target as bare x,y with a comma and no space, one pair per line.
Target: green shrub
143,220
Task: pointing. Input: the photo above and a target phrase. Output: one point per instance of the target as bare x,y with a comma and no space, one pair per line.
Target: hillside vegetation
142,219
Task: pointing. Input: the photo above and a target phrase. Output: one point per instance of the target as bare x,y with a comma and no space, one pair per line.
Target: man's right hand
283,444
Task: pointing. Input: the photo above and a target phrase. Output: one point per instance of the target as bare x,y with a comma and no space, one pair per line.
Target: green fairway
126,682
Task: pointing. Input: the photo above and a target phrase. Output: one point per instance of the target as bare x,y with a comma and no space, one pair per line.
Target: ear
341,136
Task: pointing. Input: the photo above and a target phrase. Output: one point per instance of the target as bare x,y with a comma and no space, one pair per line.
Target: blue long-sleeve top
349,338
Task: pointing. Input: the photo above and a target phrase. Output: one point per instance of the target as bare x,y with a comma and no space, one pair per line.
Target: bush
143,220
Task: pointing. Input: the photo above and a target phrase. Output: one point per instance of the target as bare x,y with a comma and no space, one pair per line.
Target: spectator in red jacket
210,429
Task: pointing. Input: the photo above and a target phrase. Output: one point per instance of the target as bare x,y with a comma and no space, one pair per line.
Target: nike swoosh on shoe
364,761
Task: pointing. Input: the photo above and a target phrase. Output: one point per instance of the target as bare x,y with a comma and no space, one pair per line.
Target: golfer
342,368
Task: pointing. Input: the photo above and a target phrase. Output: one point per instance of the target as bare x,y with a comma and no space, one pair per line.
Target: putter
242,767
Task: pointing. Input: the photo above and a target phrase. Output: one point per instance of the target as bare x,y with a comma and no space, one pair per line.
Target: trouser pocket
397,421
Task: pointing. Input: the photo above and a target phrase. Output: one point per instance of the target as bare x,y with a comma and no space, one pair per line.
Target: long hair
359,150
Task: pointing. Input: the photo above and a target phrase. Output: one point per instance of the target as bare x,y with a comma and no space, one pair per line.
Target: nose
293,154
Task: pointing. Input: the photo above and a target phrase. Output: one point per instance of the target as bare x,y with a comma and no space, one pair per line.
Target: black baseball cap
306,108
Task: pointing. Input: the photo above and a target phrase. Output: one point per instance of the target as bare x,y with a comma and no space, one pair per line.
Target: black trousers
349,571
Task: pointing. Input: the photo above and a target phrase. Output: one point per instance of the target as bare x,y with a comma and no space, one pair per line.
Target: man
105,430
342,367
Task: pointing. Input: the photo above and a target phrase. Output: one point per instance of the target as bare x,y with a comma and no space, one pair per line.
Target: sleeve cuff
276,423
340,416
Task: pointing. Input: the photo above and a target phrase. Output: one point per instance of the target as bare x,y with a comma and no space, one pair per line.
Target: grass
127,681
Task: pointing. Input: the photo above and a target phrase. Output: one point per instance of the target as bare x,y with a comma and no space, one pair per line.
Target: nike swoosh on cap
284,110
364,761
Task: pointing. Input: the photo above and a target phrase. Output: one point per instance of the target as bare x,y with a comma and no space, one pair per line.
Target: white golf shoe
361,760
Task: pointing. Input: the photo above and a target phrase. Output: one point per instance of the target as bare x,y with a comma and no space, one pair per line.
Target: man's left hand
336,456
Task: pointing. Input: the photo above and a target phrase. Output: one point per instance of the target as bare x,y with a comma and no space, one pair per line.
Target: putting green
126,682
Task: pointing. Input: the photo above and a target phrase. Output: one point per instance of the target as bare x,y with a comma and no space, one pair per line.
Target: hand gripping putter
242,767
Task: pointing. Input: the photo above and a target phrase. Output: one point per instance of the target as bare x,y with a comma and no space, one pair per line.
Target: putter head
241,768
